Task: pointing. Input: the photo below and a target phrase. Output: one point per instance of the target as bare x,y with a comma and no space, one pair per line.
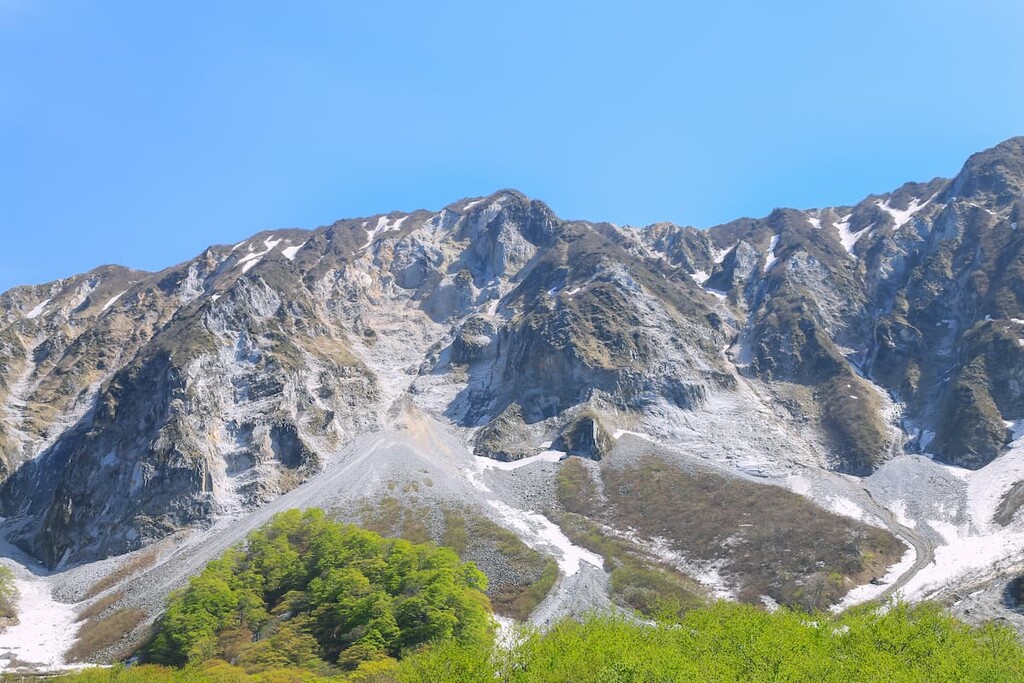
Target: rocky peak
995,175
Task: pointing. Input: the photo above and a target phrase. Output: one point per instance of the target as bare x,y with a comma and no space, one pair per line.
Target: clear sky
140,132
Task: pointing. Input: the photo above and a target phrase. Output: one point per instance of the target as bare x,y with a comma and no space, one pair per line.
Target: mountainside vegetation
308,599
764,540
724,642
312,593
8,598
518,577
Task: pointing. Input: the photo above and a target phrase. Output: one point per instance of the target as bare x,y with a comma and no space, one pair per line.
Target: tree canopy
310,592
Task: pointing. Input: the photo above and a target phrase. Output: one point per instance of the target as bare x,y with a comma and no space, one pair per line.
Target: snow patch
973,548
770,259
707,574
870,591
254,257
111,301
902,216
619,433
384,225
720,254
846,507
899,511
492,464
717,293
847,237
799,485
290,252
34,313
46,628
538,532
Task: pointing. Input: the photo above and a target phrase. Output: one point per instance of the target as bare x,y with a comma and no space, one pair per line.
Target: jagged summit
995,175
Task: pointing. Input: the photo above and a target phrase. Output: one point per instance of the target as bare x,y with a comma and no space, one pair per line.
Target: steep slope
914,290
246,366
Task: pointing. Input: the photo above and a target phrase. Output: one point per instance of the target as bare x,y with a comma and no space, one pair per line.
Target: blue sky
140,132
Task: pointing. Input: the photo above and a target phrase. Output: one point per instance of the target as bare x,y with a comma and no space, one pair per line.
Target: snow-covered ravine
46,628
974,548
945,512
536,530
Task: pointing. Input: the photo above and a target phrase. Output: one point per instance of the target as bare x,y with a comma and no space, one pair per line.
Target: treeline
310,600
724,642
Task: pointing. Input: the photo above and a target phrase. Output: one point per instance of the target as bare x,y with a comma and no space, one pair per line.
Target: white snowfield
46,628
541,533
384,224
254,257
290,252
847,237
35,312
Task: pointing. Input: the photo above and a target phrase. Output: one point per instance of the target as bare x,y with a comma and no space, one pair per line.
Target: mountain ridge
451,360
791,333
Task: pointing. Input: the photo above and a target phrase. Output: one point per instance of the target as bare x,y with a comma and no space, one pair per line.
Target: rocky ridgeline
134,404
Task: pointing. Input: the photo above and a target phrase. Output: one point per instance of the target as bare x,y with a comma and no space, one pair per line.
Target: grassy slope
768,541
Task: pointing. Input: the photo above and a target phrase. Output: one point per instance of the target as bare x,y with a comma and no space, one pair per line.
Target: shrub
9,595
98,634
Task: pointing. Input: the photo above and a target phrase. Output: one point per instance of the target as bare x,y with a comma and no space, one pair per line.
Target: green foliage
308,592
731,642
8,594
724,642
522,576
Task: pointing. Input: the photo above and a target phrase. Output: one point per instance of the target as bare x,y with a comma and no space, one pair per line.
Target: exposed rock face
132,404
585,436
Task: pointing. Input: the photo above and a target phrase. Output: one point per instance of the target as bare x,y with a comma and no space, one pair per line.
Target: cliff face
134,404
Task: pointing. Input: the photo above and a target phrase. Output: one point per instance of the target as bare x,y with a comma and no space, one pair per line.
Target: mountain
851,354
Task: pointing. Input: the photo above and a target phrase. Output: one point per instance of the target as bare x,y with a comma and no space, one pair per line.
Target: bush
99,634
724,642
9,595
